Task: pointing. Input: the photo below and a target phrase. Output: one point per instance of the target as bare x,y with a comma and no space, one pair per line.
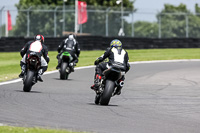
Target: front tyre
28,81
107,93
63,73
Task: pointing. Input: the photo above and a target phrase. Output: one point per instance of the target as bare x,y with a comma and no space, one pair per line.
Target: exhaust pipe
121,83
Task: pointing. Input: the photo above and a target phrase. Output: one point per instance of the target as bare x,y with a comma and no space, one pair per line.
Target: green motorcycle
65,68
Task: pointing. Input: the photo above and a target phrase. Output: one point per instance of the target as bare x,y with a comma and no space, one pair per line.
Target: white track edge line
164,61
137,62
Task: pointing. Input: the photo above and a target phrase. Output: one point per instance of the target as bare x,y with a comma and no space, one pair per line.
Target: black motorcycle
33,64
109,83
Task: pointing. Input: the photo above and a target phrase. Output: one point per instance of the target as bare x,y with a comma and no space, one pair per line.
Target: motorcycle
109,83
65,68
33,66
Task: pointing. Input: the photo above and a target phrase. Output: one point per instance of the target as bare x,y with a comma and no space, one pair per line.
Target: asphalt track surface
157,98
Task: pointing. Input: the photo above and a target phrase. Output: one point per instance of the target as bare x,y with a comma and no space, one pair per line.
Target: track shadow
109,105
63,79
28,92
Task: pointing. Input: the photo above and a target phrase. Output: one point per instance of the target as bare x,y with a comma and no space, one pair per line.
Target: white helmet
39,38
71,37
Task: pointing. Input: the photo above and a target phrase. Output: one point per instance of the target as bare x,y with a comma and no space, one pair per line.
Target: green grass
163,54
10,129
10,69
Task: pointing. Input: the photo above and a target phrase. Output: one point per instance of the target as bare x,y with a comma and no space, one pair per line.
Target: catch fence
57,21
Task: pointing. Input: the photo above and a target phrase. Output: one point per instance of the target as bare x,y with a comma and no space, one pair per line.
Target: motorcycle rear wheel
107,93
63,73
28,81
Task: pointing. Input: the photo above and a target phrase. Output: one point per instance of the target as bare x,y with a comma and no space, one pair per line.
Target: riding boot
39,78
119,87
23,68
118,90
59,64
97,82
71,66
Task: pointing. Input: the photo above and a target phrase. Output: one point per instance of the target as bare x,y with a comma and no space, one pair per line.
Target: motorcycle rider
74,50
114,53
36,45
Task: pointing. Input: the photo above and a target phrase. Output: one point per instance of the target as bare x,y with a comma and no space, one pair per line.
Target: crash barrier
9,44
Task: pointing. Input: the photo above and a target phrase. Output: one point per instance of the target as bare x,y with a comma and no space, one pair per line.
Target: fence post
55,24
64,17
187,26
76,17
159,26
133,24
107,20
28,21
1,19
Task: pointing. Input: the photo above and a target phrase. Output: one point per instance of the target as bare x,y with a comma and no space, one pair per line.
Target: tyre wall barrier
11,44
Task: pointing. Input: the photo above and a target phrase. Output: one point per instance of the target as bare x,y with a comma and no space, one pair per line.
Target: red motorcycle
33,64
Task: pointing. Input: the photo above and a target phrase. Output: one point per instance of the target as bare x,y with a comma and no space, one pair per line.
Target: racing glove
96,62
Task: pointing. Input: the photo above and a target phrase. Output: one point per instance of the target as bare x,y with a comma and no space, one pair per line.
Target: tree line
172,21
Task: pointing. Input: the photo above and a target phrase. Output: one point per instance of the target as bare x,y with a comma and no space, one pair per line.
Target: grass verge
11,129
10,69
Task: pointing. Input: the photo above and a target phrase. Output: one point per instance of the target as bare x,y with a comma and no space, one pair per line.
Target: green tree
177,19
194,21
42,21
146,29
197,8
173,21
96,20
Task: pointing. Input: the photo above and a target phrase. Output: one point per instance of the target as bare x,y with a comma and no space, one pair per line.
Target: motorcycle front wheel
28,81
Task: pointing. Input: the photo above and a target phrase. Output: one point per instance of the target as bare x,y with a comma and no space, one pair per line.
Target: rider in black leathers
74,50
36,45
113,53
